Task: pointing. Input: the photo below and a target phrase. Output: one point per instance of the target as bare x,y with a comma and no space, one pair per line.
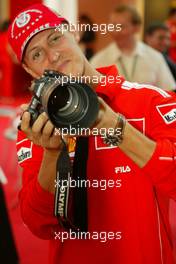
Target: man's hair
154,27
135,16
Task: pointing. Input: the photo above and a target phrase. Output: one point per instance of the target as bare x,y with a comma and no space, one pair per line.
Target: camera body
67,105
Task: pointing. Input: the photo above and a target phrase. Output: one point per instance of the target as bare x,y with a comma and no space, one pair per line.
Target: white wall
67,8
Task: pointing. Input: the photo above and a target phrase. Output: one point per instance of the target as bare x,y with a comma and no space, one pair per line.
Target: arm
42,135
36,196
155,154
48,167
135,145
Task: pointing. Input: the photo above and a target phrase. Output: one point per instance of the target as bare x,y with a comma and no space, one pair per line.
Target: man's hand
42,134
42,131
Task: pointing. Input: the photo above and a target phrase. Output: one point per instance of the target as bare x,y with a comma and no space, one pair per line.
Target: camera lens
69,102
66,100
62,100
68,105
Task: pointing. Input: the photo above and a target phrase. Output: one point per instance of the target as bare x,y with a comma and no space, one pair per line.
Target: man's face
159,40
54,50
128,28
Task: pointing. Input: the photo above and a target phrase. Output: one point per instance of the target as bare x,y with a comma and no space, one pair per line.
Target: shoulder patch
167,112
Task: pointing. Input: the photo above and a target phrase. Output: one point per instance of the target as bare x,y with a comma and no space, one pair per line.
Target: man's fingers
24,107
42,131
47,131
101,102
25,123
39,123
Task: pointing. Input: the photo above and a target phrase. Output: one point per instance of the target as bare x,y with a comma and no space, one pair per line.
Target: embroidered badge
167,112
23,19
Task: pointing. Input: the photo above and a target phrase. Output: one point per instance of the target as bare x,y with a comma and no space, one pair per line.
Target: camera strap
63,174
71,203
80,173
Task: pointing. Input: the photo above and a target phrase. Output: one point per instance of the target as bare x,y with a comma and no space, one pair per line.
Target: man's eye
54,39
36,56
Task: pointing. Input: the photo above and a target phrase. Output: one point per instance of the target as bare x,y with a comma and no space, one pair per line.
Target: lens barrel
70,104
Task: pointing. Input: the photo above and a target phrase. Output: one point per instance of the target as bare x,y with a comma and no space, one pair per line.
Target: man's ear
28,70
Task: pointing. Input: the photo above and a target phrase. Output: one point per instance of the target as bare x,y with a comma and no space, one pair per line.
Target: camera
66,104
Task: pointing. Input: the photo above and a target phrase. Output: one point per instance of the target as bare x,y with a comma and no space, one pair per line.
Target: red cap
28,23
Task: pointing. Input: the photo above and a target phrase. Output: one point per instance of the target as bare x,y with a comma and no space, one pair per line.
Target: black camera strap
80,202
63,174
71,203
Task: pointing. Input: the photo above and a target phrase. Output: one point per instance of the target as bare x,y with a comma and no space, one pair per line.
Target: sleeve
36,204
165,79
162,165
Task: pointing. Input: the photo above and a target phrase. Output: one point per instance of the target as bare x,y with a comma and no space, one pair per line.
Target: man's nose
53,56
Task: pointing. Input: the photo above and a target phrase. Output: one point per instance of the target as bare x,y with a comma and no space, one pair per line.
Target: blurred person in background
171,22
87,37
157,36
136,61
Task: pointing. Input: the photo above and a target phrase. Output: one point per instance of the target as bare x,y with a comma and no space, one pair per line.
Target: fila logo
167,112
122,169
24,154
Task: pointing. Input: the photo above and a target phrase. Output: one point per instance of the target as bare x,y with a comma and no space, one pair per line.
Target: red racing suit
138,209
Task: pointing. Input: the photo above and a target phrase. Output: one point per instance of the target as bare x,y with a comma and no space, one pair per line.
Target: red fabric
13,79
5,67
18,5
29,22
139,209
172,49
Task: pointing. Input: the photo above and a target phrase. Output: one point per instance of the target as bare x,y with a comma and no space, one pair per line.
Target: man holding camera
143,157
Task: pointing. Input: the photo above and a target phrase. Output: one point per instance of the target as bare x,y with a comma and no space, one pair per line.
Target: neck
127,46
